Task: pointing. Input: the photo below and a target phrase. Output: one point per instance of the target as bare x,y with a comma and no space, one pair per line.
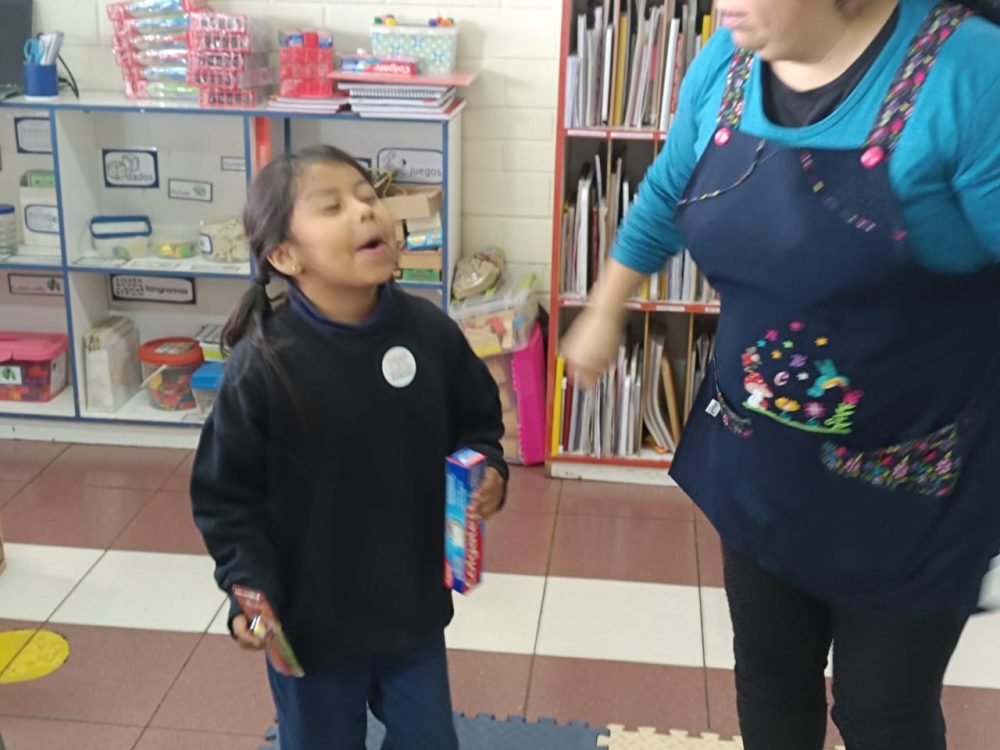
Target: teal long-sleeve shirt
945,171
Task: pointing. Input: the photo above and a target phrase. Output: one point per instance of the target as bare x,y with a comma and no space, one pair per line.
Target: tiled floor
603,603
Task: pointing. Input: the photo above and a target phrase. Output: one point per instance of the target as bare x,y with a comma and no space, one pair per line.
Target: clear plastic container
149,42
168,366
212,97
499,320
205,385
224,241
218,78
121,237
9,232
176,245
146,8
160,90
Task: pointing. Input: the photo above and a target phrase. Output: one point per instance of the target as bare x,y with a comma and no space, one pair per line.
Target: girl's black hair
267,218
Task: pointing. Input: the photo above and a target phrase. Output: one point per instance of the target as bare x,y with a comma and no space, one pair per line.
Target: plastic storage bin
224,241
168,367
39,208
205,384
121,237
9,233
32,366
500,320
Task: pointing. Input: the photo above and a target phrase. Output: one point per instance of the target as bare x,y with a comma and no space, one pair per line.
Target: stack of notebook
399,100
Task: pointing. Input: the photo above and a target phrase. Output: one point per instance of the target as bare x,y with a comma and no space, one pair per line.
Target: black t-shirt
796,109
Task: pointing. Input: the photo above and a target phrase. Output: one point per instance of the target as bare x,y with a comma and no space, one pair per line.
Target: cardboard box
463,537
427,260
416,204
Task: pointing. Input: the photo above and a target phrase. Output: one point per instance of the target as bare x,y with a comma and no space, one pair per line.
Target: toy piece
646,738
265,625
486,732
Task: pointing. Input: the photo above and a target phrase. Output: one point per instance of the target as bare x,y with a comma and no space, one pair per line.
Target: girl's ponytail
247,320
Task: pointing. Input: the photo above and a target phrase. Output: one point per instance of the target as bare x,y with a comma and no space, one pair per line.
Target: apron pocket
929,465
738,425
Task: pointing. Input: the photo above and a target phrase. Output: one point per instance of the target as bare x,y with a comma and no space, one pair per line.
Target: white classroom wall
509,129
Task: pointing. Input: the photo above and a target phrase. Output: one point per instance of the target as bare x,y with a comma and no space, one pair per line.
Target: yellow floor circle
27,655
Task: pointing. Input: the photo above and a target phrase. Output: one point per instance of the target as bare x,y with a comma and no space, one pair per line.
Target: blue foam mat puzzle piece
486,732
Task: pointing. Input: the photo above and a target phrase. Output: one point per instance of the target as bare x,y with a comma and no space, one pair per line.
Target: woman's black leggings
887,673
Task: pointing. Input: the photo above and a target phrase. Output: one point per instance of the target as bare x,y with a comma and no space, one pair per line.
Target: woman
835,170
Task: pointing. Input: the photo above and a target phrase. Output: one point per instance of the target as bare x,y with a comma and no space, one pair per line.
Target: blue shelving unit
189,143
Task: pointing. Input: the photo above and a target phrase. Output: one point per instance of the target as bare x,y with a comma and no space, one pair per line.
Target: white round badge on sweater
399,367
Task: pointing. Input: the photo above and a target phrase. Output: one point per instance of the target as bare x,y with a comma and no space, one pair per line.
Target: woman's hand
244,636
591,344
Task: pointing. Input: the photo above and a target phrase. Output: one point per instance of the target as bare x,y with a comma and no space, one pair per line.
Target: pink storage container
32,366
520,377
529,383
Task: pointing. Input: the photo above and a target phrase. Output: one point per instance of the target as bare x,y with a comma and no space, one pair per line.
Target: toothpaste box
463,538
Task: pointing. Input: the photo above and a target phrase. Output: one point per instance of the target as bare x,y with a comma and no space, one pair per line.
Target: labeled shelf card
171,290
412,165
189,190
33,134
233,164
35,285
131,168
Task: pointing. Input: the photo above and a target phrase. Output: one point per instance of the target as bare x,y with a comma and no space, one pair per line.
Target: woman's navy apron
847,437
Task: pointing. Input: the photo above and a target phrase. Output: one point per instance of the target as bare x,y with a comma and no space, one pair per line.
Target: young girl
320,475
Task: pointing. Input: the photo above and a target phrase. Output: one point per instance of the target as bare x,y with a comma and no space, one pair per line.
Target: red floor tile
164,525
8,489
180,480
71,515
170,739
53,734
519,543
722,715
973,717
625,549
113,676
709,555
603,693
22,461
222,689
530,491
124,468
489,683
626,500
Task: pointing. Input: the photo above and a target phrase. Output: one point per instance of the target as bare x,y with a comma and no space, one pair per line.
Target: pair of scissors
33,52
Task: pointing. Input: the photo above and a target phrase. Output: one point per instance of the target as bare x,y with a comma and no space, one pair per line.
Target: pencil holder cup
40,80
